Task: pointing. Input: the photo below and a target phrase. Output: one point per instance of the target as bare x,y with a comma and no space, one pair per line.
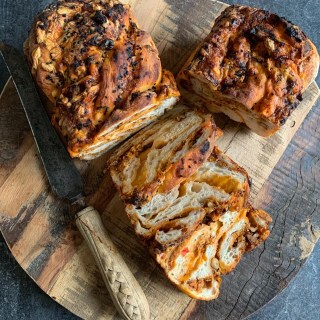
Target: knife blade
66,182
63,176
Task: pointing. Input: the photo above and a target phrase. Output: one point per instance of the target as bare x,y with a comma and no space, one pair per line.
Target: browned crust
257,59
96,66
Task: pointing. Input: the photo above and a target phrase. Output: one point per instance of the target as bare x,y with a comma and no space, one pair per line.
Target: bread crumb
306,247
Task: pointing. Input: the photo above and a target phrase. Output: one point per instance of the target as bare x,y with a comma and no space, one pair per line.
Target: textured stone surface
22,299
300,300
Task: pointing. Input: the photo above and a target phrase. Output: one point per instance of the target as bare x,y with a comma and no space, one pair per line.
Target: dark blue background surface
21,299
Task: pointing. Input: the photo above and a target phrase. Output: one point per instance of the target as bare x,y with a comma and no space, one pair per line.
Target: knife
66,182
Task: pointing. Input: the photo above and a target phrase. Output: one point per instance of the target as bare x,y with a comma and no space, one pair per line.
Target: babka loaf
253,66
101,73
188,206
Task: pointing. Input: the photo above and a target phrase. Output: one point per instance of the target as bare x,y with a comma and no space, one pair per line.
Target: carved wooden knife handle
125,291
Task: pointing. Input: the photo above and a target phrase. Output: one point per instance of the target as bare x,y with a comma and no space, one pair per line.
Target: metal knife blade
64,178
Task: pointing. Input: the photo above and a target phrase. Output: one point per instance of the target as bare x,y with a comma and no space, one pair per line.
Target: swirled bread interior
193,215
218,185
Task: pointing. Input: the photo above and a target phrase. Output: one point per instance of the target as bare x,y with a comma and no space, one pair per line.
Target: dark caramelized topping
95,67
257,58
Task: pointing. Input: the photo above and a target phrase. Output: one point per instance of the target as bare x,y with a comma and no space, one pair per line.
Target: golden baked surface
257,59
96,66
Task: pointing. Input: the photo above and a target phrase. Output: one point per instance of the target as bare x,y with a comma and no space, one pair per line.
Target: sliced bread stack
187,200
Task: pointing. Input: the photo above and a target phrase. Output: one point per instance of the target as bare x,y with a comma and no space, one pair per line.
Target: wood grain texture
40,229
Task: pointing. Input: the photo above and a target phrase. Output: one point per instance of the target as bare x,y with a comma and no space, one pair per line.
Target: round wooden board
40,231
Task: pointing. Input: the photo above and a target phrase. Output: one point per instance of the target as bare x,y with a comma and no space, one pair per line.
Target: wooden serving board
42,236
